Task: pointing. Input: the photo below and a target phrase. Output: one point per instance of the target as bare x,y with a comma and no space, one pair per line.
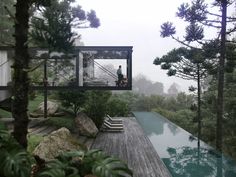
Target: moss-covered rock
55,143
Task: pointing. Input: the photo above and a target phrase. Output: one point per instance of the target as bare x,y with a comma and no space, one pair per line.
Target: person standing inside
120,75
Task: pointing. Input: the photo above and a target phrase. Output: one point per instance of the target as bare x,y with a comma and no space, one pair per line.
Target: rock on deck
133,147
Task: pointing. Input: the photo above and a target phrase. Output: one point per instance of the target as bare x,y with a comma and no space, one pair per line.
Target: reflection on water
180,152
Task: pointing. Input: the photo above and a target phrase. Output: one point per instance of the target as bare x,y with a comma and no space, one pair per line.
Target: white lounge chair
114,120
113,124
112,127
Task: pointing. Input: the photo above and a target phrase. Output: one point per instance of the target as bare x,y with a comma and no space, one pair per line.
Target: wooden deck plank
134,148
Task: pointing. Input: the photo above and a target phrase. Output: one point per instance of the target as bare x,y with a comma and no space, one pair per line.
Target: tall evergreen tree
188,64
20,66
198,16
54,26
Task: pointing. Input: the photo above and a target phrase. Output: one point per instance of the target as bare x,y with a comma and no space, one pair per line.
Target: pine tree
188,64
20,66
198,15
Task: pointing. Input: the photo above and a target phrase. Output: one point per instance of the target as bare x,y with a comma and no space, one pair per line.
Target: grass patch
33,141
33,104
59,122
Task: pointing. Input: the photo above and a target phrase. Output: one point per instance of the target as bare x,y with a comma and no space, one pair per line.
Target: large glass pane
100,68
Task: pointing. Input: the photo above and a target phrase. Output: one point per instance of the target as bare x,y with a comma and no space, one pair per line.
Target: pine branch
213,21
34,68
228,41
187,63
210,25
231,30
182,42
184,76
200,42
10,14
219,16
4,63
4,43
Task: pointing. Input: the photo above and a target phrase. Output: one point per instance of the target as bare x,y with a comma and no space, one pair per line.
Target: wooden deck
134,148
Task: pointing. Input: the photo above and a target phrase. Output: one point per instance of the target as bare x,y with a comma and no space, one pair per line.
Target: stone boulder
52,108
85,126
55,143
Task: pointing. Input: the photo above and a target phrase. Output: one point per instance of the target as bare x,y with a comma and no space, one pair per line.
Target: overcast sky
136,23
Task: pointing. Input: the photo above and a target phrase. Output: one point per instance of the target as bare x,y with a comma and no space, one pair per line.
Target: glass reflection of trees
59,71
150,123
107,54
90,66
196,162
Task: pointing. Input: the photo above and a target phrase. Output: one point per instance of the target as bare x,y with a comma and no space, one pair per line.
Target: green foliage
53,26
15,161
7,22
96,105
117,107
183,118
80,163
216,51
105,166
57,168
59,122
129,97
210,110
72,99
4,113
148,103
33,104
33,141
185,63
142,85
167,29
2,126
37,75
54,29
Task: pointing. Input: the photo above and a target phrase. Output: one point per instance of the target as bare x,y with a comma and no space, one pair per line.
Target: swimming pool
179,149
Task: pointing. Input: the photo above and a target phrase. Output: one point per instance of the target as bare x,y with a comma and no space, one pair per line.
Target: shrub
80,163
59,122
117,107
15,161
73,100
96,105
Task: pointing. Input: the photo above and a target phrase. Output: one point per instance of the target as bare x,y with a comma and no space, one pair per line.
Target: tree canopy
199,17
54,26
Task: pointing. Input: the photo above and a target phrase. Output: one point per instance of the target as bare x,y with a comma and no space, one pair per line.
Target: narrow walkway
134,148
35,126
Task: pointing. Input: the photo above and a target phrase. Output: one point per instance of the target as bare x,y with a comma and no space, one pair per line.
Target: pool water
180,152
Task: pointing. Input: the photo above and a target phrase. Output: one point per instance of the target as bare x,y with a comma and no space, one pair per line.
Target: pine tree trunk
20,77
199,105
220,101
